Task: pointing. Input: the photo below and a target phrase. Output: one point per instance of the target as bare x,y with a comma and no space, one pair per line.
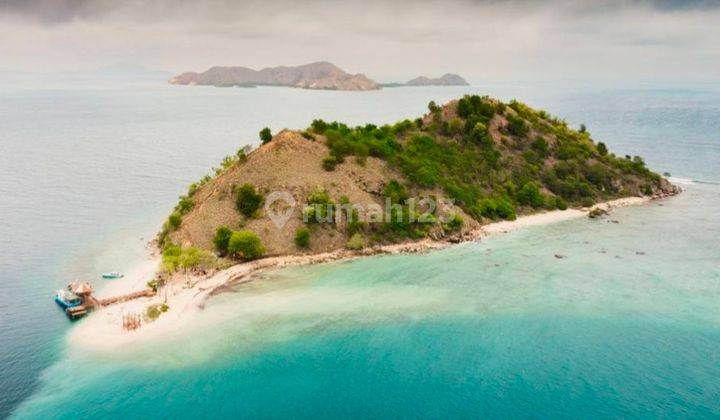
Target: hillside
448,79
320,75
495,160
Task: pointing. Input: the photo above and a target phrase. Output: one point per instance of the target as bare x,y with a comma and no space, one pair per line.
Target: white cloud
387,41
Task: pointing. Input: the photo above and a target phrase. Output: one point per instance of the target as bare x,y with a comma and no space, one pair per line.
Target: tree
245,244
248,201
302,237
222,238
265,135
602,149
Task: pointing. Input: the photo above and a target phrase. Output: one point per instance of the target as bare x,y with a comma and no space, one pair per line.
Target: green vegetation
302,237
454,223
265,135
320,208
222,239
494,160
175,220
153,312
175,258
247,200
356,242
533,161
246,245
529,195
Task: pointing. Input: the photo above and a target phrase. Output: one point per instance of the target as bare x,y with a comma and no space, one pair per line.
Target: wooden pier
125,298
90,302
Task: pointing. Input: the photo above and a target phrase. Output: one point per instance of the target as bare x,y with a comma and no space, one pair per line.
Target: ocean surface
628,325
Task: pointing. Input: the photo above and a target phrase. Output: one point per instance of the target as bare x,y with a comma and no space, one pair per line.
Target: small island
469,168
447,79
319,75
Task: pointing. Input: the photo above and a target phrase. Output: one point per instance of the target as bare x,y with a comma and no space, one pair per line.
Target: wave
689,181
681,181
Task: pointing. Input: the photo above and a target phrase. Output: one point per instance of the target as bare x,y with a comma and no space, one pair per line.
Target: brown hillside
289,163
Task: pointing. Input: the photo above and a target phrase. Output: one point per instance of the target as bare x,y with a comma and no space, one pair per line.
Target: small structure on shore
131,322
77,300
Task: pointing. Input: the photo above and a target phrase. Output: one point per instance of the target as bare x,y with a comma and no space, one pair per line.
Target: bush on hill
246,245
248,201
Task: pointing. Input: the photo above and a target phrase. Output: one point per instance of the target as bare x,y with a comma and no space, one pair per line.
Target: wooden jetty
90,302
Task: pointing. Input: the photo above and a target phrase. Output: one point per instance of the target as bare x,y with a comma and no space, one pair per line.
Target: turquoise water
627,326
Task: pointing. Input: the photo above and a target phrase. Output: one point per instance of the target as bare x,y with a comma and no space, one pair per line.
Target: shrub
529,195
222,239
329,163
356,242
248,201
587,202
560,204
517,126
265,135
496,208
540,146
320,207
302,237
319,126
175,220
455,223
175,257
153,312
186,203
396,192
245,244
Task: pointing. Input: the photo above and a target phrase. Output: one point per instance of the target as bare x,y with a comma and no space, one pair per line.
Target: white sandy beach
102,330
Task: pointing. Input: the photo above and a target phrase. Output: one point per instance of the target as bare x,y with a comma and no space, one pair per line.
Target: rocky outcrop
447,79
320,75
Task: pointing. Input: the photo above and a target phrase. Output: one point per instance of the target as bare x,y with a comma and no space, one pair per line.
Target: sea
627,325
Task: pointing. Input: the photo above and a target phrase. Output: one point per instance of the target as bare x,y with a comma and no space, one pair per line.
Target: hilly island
471,167
478,159
319,75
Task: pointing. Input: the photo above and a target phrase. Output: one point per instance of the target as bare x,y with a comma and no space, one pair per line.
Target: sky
388,41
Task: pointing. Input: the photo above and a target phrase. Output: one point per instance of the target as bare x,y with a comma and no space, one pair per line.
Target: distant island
447,79
319,75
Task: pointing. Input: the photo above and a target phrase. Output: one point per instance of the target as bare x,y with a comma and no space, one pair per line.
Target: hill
320,75
494,160
447,79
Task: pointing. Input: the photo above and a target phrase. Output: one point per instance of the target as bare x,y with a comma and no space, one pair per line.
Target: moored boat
67,299
112,275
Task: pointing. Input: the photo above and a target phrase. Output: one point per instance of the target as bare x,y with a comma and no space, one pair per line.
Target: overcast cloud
386,40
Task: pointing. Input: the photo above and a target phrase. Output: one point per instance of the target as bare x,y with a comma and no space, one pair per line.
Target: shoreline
187,294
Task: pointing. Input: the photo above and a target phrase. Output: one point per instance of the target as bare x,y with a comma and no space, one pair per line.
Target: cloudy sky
521,39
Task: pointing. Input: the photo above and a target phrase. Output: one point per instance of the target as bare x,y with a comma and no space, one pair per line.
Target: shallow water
627,325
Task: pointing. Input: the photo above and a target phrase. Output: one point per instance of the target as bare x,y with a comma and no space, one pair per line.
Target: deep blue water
495,329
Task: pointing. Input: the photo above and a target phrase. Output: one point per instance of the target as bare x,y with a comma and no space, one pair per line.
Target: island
466,169
319,75
447,79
